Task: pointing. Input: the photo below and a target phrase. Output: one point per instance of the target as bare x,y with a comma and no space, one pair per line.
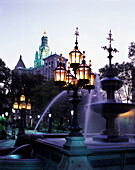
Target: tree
131,53
5,80
123,72
42,95
28,81
40,91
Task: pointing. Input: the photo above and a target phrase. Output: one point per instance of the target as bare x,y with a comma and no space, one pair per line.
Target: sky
23,23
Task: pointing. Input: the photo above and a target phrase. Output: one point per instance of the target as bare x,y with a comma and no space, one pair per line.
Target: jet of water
98,88
96,93
59,95
87,113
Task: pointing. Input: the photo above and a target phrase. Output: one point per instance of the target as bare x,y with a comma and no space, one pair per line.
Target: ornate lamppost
38,116
83,78
31,121
6,115
22,106
50,123
13,123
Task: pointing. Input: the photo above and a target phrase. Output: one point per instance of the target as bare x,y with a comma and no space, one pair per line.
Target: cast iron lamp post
50,123
22,107
82,78
38,116
30,121
13,123
6,115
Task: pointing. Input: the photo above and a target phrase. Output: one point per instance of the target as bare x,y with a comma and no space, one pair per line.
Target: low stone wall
112,157
49,154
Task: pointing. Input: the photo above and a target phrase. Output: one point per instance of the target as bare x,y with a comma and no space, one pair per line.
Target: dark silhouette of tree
131,55
131,52
40,91
5,80
123,72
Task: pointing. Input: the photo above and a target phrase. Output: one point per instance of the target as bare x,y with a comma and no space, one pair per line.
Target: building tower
43,51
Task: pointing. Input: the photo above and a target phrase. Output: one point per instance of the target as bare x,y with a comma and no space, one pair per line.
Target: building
43,51
21,68
43,63
50,63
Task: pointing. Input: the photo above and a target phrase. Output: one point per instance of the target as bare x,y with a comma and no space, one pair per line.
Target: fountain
93,119
111,109
110,150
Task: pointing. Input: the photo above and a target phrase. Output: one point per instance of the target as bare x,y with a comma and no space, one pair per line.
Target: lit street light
50,123
83,78
22,107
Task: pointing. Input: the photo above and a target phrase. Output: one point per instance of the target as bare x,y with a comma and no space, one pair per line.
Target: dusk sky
23,23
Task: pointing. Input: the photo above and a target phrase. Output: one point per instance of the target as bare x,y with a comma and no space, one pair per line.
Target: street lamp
22,106
6,114
30,121
50,123
13,124
83,78
72,112
38,116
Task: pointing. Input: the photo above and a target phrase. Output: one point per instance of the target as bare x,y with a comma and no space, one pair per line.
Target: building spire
44,34
20,63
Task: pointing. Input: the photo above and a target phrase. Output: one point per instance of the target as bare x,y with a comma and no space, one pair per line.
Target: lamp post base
74,154
75,143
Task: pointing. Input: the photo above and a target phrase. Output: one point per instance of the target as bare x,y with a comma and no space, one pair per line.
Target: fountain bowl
112,108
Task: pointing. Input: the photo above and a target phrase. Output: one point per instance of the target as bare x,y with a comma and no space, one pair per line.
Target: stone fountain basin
112,107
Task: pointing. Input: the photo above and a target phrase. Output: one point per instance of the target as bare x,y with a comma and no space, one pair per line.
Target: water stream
50,104
87,113
18,148
94,96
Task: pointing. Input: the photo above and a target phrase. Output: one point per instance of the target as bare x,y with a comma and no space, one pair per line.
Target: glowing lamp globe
91,84
83,72
20,106
15,105
22,98
75,58
69,78
28,106
60,74
23,105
